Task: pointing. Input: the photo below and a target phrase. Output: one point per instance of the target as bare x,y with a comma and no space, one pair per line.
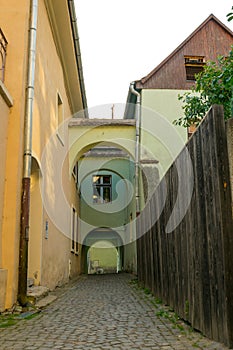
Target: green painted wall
159,137
118,214
102,255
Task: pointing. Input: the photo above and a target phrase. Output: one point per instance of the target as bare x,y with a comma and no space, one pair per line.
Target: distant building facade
159,91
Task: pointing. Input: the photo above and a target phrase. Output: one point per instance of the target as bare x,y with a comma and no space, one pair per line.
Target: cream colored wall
159,136
36,217
103,255
81,139
14,16
49,81
53,258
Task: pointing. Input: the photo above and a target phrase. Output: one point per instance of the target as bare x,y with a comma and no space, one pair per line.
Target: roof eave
140,83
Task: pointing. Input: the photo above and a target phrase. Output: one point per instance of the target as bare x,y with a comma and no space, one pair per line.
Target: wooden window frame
193,66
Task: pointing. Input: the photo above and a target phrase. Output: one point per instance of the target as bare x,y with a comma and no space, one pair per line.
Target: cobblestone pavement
102,312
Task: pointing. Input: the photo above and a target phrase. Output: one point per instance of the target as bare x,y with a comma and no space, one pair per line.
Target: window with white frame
74,231
75,172
102,189
60,118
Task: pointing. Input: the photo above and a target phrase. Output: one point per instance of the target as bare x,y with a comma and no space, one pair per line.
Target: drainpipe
137,144
27,156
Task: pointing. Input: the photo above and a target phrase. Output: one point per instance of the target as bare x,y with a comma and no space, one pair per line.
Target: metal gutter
27,156
73,20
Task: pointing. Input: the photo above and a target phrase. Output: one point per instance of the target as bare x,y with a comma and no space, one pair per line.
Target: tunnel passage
102,252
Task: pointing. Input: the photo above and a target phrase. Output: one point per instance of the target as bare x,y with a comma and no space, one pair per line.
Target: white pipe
27,157
137,144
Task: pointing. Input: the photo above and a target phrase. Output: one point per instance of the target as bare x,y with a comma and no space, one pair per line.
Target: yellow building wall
50,260
53,261
4,115
35,223
14,16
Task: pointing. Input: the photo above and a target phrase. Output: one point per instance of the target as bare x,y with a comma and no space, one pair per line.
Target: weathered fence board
191,268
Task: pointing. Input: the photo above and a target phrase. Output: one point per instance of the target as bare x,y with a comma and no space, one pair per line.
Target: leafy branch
230,16
214,85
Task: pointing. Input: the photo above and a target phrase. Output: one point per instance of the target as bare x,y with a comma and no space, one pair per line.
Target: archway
102,252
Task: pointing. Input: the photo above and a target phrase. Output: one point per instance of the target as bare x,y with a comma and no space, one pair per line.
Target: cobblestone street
102,312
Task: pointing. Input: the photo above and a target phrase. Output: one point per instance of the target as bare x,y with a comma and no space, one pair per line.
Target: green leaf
213,86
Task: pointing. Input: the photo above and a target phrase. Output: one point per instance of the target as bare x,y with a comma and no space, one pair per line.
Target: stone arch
102,234
81,138
88,147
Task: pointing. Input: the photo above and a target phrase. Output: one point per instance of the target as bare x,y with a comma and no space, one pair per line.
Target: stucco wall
55,191
14,16
49,81
81,139
117,213
3,146
160,139
4,114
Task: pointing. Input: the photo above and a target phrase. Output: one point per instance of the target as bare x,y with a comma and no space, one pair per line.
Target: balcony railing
3,46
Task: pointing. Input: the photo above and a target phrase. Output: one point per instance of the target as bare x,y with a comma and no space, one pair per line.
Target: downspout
74,25
27,156
137,144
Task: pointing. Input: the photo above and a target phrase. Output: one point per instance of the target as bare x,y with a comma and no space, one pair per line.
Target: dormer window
193,66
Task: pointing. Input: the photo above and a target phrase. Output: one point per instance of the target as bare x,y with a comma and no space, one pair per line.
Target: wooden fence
191,268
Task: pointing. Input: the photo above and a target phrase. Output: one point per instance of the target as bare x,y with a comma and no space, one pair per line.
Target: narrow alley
103,312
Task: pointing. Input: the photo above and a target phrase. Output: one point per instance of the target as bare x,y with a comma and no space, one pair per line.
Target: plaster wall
160,139
17,13
81,139
115,214
54,192
49,82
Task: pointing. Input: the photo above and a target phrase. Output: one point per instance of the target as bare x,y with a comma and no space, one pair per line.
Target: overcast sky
124,40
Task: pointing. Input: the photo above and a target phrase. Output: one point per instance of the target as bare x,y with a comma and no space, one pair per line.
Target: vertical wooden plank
191,268
226,218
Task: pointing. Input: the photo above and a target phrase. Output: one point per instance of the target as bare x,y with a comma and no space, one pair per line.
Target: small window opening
193,66
102,189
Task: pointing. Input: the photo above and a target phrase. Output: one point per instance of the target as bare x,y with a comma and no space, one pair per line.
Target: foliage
214,85
230,16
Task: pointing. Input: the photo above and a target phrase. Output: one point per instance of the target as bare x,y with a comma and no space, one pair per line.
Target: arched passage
102,252
99,150
119,133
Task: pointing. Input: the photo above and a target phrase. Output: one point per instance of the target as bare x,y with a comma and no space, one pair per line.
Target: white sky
123,40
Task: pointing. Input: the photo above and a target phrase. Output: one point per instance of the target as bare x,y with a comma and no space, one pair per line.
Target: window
60,119
102,189
74,231
75,172
3,45
193,66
